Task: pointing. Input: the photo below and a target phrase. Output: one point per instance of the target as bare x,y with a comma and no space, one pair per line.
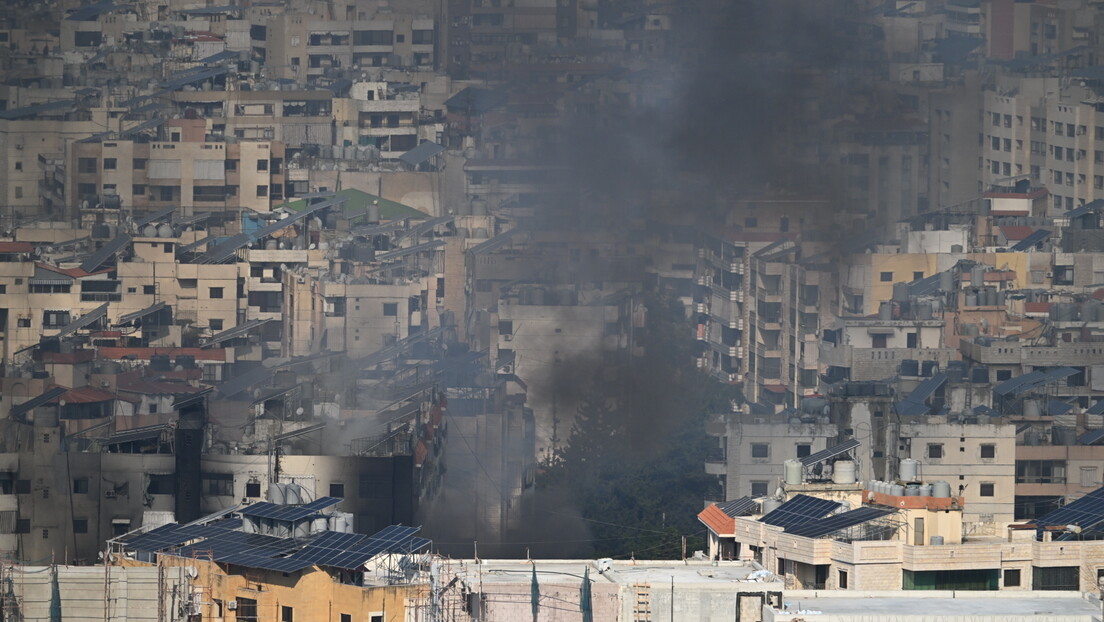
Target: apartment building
179,167
305,47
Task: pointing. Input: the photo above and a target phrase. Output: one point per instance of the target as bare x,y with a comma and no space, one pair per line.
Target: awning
240,330
84,320
35,402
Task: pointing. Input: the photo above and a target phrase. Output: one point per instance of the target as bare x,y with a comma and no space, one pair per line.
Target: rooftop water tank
277,494
843,472
770,504
941,489
910,469
293,494
794,470
910,367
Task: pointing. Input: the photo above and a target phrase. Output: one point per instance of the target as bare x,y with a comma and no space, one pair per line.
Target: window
262,191
188,283
337,490
231,165
23,322
1040,472
54,319
759,489
760,450
19,165
935,450
19,192
218,484
391,309
878,341
149,289
804,449
214,324
751,222
287,614
86,165
886,277
80,486
139,164
1012,577
110,164
505,327
376,617
986,489
161,485
1088,477
988,450
843,579
80,525
153,408
22,486
22,525
253,490
262,165
346,617
216,292
247,610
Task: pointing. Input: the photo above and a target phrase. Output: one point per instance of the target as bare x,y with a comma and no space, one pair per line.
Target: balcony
728,264
264,285
256,313
276,256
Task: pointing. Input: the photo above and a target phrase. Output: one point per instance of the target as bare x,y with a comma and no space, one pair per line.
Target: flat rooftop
622,572
925,605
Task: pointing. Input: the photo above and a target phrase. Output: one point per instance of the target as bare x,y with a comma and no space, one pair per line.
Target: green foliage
634,460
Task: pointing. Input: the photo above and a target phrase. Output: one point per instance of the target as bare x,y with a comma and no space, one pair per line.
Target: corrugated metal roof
30,111
83,321
137,315
19,409
421,153
1031,240
107,251
240,330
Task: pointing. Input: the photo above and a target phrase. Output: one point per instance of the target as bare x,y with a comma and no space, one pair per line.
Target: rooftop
902,605
622,572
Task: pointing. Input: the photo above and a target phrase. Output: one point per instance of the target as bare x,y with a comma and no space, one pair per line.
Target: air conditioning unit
110,494
508,337
232,605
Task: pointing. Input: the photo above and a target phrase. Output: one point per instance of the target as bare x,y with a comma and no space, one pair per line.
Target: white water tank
910,469
941,489
294,494
794,470
897,490
936,541
925,490
319,524
770,504
843,472
277,494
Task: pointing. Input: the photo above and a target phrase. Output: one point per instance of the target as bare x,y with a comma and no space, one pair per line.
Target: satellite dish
299,411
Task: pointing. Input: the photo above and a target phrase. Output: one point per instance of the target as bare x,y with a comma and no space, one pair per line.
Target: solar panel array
288,512
801,509
831,452
740,507
1086,512
823,527
1091,437
173,535
335,552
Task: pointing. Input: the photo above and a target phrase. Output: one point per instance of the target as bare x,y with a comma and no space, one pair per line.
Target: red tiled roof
1098,294
1016,232
134,383
1037,307
717,521
1008,212
15,247
774,388
75,273
144,354
67,358
85,395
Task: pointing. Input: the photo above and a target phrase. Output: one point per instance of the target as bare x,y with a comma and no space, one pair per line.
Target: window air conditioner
232,605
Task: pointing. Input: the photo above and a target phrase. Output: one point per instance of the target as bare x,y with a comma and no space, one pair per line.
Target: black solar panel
289,512
1091,437
173,535
328,545
740,507
393,539
831,452
823,527
1085,512
801,509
